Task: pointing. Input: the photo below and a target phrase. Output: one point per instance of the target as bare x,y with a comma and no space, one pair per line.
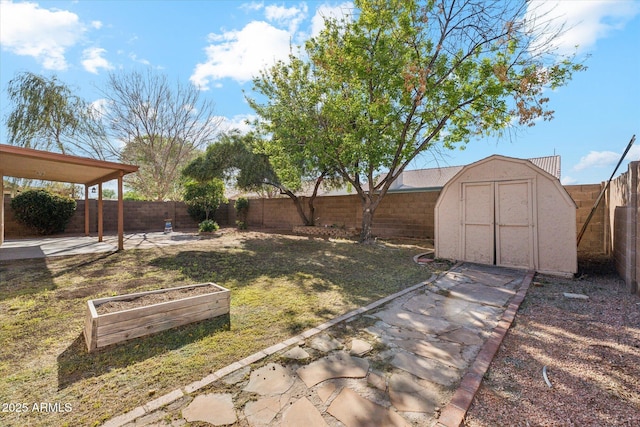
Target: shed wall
553,220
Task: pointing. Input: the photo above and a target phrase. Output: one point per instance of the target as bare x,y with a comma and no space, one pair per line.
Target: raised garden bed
115,319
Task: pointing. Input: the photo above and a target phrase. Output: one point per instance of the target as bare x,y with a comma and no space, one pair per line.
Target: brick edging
455,411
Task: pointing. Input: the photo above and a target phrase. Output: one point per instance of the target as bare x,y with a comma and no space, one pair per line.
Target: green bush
203,198
242,209
45,212
208,226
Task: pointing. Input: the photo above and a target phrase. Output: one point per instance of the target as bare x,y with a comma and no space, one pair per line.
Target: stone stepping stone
447,353
261,412
427,369
408,320
487,295
237,376
354,410
303,413
325,343
408,396
337,365
325,391
486,278
216,409
271,379
296,353
377,381
383,330
464,336
359,347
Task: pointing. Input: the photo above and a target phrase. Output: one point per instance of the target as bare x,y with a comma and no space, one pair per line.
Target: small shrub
203,198
242,209
45,212
208,226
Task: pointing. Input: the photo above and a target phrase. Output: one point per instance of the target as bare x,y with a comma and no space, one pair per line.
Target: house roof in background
422,179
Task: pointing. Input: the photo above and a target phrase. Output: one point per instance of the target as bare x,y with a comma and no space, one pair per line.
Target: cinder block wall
624,208
594,238
399,215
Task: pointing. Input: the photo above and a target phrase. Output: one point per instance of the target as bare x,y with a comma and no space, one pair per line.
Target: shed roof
436,178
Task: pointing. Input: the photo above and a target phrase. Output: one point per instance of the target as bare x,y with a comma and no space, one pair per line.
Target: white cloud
96,24
597,159
135,58
324,11
567,180
28,30
584,21
253,6
238,122
100,106
289,16
240,55
93,60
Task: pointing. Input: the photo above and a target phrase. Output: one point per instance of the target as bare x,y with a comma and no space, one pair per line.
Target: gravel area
591,350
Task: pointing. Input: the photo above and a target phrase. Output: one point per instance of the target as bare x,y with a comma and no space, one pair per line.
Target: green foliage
108,193
133,195
203,197
45,212
242,209
403,77
208,226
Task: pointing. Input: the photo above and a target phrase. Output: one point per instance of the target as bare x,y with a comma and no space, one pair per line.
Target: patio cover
19,162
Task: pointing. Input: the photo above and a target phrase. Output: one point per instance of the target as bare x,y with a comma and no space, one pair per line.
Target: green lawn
280,285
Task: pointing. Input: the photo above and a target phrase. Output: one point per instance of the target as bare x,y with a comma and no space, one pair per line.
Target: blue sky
219,45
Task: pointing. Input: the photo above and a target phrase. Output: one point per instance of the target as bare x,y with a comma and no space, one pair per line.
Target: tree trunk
368,209
312,208
299,208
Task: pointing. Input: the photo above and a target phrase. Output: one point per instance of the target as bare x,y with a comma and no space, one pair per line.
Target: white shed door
478,222
514,224
498,223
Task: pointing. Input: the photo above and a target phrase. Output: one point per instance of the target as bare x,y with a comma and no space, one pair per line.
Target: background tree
407,77
47,115
163,128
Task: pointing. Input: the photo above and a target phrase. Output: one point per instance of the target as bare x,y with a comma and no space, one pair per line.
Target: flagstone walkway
412,359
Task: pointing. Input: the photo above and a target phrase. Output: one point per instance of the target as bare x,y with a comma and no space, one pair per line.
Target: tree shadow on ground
75,363
307,263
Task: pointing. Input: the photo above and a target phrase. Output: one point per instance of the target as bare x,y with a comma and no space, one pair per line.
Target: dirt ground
590,348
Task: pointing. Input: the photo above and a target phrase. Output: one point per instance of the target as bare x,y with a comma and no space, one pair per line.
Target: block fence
621,232
408,214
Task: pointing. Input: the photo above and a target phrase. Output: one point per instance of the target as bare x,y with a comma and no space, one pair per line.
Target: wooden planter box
101,330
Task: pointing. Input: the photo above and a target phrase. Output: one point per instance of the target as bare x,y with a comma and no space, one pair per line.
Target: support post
120,213
86,210
100,217
1,209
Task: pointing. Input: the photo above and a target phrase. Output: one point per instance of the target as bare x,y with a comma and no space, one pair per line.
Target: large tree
47,115
163,127
404,77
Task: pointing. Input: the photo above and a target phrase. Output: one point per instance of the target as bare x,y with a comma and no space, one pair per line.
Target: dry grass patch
280,285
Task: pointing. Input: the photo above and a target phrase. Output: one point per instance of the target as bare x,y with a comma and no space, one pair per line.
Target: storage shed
508,212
